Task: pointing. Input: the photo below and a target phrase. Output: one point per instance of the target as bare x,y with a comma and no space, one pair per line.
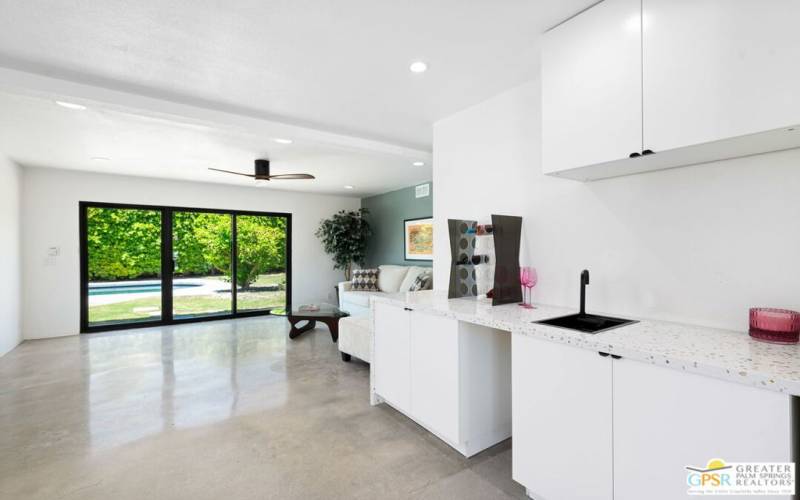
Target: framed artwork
418,238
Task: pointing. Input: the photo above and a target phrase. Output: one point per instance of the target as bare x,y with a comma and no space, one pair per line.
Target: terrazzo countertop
721,354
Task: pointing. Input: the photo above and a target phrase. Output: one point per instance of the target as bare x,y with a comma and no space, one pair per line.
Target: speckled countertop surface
721,354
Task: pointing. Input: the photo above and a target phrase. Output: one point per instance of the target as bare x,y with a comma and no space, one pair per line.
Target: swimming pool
135,288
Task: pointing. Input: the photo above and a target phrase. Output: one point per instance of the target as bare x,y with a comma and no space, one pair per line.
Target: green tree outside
261,247
126,244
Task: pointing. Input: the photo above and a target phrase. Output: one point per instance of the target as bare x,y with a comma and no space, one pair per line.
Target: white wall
10,290
50,218
698,244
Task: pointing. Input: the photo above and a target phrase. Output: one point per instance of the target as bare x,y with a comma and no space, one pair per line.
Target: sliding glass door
201,249
144,266
260,262
123,265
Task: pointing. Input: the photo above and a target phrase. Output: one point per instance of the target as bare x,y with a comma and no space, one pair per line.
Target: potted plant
344,236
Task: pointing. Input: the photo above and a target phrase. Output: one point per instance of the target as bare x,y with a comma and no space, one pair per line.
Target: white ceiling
339,65
35,130
174,87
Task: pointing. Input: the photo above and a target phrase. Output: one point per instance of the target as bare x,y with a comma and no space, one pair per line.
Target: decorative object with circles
462,249
498,260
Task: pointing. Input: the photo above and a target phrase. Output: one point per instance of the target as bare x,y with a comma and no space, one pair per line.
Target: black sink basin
586,323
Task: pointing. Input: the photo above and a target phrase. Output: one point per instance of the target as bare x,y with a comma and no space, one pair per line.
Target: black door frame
167,266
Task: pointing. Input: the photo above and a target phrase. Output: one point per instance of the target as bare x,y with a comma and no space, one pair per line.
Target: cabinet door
392,351
435,374
715,69
666,419
592,87
561,420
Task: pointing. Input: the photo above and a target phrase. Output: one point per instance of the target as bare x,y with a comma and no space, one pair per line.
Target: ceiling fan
262,173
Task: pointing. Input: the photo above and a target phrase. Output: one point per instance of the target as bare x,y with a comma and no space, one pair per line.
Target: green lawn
191,305
262,280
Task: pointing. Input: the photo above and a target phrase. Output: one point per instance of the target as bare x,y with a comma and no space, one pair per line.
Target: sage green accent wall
387,213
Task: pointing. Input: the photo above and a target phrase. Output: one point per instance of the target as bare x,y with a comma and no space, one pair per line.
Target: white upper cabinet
693,81
592,87
715,69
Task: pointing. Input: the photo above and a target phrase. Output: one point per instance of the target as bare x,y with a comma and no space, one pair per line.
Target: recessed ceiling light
348,186
419,163
418,67
101,158
71,105
283,141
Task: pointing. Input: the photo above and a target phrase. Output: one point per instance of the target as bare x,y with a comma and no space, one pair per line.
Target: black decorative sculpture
507,233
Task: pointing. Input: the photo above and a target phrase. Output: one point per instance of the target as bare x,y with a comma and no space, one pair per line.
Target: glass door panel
123,263
201,252
261,263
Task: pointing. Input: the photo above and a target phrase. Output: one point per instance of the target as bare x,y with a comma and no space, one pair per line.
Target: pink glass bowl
780,326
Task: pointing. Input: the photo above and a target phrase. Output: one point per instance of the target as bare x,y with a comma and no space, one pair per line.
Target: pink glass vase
778,326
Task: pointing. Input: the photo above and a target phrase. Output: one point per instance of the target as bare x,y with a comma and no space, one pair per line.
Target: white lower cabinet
561,399
391,360
665,419
452,378
586,425
435,373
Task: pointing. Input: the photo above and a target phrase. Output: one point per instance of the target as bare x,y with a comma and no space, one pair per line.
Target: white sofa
391,279
355,338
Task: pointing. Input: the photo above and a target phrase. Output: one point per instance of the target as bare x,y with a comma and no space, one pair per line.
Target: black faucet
584,282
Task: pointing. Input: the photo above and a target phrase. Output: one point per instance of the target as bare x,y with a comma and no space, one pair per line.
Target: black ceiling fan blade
292,176
230,172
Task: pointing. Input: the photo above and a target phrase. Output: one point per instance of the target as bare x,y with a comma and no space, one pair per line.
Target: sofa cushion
423,282
411,275
390,277
365,280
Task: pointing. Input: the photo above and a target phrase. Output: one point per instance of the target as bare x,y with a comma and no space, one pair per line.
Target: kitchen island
633,405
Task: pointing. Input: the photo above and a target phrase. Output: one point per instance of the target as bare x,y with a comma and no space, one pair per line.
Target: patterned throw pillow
423,282
365,280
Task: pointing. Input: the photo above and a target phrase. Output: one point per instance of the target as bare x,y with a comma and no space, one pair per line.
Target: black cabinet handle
634,155
648,152
616,356
407,309
604,354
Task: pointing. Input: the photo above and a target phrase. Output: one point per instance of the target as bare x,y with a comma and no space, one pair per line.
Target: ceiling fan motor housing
262,168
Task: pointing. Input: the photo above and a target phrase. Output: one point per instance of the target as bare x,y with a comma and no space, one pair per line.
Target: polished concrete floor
225,409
